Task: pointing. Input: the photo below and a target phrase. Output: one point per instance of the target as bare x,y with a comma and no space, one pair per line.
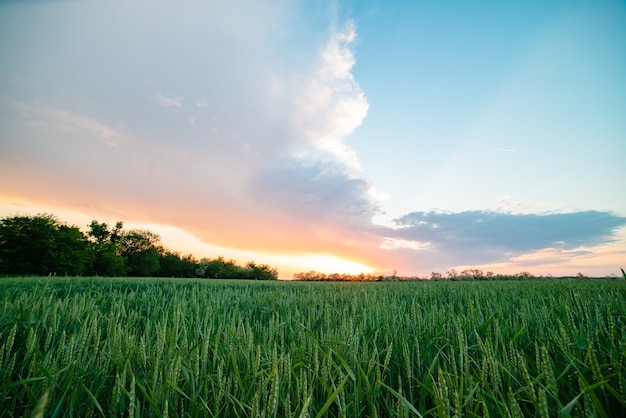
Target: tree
71,255
219,268
139,249
26,244
451,274
41,245
471,274
261,271
106,258
173,265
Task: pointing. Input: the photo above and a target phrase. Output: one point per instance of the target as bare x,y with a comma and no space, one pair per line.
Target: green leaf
403,400
177,389
332,398
41,405
93,399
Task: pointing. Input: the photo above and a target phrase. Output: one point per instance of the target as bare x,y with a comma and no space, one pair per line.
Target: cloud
202,103
253,159
256,157
332,104
317,190
545,243
595,261
396,243
512,232
480,237
54,119
167,101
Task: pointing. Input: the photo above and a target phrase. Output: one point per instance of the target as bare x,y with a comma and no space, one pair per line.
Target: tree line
451,275
42,245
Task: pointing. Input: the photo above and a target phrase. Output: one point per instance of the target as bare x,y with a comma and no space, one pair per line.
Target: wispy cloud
396,243
166,101
51,118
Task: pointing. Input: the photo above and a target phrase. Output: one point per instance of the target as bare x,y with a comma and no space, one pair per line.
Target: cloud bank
246,149
510,232
228,121
484,237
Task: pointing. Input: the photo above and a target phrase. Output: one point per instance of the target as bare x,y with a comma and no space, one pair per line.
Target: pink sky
343,139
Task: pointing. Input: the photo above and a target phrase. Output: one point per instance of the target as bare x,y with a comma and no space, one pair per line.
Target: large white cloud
332,104
223,116
228,120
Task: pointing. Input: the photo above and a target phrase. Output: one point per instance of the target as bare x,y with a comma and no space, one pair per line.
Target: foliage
41,245
105,256
207,348
452,275
175,265
314,276
139,249
220,268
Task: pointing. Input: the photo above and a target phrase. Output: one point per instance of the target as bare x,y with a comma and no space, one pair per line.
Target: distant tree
172,264
202,267
220,268
261,271
41,245
230,270
471,274
316,276
71,251
106,258
189,265
333,277
139,249
213,269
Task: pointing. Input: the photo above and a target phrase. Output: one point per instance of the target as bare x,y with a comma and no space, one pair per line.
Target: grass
159,347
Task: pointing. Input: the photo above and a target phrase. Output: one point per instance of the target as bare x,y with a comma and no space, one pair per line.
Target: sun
322,263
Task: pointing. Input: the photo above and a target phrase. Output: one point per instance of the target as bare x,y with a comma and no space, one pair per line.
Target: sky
338,136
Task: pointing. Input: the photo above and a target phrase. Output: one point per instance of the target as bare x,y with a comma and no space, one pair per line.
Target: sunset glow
415,137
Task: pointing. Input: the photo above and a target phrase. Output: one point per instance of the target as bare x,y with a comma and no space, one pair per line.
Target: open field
153,347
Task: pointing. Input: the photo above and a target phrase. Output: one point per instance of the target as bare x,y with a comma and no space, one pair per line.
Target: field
158,347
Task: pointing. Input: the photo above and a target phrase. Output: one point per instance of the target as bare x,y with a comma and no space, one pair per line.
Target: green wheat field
83,347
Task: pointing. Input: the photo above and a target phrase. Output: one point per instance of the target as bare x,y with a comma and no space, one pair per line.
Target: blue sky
344,136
